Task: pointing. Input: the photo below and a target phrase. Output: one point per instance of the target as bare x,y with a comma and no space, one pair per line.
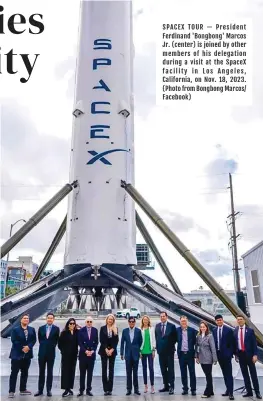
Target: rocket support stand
22,305
148,239
36,218
61,231
189,257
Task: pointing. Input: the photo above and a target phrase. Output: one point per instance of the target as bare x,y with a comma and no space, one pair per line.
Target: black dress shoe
109,392
38,394
259,396
171,391
248,395
231,397
185,392
128,392
106,393
80,394
49,394
89,393
225,394
137,392
163,390
70,392
193,392
65,394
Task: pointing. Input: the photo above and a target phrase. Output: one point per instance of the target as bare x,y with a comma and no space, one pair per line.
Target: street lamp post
7,256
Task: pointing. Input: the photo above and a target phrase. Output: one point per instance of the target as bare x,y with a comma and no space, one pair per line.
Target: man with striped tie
48,336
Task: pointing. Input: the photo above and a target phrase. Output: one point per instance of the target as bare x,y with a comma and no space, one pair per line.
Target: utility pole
233,241
234,237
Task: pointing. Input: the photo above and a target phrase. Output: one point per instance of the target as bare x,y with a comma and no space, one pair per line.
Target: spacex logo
101,131
100,156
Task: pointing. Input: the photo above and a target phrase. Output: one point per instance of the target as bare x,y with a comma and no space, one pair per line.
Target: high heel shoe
152,390
146,389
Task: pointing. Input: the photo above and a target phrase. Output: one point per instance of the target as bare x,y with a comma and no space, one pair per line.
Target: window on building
255,285
142,253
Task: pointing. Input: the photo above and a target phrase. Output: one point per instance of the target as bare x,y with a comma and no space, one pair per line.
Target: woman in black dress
109,339
68,345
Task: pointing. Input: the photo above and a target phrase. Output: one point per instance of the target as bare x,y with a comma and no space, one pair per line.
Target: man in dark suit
246,354
224,342
88,340
166,337
131,342
186,337
48,336
23,339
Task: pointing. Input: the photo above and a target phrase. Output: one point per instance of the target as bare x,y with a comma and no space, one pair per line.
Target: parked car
126,313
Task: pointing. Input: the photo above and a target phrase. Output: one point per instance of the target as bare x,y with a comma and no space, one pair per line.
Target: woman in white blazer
148,351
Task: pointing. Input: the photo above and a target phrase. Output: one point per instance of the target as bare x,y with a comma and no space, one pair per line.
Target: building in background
26,263
16,278
253,266
143,256
3,272
208,301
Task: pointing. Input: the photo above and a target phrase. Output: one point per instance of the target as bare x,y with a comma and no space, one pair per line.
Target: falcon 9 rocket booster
101,215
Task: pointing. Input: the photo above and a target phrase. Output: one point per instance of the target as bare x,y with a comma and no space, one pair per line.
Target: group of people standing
201,347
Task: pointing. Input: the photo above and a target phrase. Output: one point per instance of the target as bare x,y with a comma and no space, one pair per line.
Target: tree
11,291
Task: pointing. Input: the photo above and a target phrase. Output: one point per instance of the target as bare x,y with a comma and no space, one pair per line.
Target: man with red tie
88,343
246,355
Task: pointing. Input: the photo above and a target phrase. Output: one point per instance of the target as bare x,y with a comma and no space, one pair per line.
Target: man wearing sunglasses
88,343
131,342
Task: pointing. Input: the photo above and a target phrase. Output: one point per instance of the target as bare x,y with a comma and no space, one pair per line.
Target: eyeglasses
72,323
88,321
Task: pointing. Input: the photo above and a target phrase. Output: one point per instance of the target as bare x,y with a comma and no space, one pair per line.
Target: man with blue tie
131,342
166,337
23,339
186,337
224,342
88,340
48,336
246,354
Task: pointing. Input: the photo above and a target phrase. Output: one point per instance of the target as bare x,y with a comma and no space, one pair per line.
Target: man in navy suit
186,337
246,354
131,342
48,336
224,342
166,337
88,342
23,339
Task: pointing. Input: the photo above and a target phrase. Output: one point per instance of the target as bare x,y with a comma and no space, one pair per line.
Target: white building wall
253,261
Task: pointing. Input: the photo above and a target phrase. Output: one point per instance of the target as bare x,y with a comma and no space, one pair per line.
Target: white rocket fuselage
101,215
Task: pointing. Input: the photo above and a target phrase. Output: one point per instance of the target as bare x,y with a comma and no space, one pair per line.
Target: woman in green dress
148,351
